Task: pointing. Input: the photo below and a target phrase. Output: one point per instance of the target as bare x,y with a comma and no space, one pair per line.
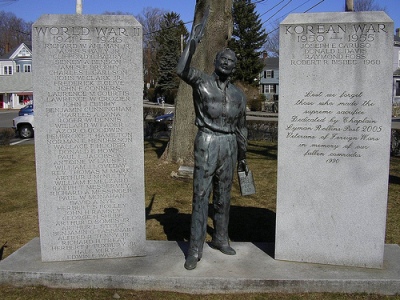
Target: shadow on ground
247,224
394,179
158,145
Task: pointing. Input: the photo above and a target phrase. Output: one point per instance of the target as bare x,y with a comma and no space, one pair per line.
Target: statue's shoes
191,262
226,249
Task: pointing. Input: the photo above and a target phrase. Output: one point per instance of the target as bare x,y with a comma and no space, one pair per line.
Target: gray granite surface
88,87
251,270
334,137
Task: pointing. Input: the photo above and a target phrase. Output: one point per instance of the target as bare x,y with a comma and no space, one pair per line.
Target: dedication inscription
89,136
334,137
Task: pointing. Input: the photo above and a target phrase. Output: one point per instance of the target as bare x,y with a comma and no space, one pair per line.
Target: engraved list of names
89,136
334,137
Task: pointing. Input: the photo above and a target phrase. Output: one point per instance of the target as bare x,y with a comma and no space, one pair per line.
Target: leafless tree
272,44
150,18
366,5
13,32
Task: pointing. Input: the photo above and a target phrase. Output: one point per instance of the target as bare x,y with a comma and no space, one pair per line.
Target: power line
256,2
296,9
259,1
277,12
315,5
188,22
272,8
7,2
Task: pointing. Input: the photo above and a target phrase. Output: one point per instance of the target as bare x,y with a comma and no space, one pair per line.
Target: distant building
269,78
16,77
269,82
396,70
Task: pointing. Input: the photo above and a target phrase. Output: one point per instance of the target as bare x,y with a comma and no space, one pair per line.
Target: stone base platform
251,270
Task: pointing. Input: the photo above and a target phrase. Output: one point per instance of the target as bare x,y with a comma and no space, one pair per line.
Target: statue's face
225,63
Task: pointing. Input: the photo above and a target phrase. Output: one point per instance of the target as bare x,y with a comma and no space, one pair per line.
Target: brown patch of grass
44,293
18,201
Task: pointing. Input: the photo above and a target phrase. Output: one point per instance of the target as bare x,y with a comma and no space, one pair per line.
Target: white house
396,73
16,77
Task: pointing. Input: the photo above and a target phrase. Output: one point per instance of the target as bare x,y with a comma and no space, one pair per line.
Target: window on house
27,68
24,52
18,69
397,88
7,70
269,89
269,74
399,60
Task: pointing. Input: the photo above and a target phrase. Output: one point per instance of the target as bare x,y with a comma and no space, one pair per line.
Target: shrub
262,130
395,142
6,134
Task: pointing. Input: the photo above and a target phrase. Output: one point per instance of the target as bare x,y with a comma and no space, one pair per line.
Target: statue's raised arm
195,37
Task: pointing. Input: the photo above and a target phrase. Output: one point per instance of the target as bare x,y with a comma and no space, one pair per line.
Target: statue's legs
215,159
222,190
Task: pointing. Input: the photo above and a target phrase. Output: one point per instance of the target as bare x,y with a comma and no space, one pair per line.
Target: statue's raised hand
198,30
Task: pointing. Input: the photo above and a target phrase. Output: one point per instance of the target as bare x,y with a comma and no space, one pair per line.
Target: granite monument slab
334,138
88,89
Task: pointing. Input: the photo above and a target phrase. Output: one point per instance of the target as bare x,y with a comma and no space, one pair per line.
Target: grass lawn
168,203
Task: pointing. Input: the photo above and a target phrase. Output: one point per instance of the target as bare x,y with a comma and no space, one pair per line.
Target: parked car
26,110
24,126
164,121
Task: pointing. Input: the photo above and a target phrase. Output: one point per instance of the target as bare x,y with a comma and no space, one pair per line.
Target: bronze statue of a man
221,141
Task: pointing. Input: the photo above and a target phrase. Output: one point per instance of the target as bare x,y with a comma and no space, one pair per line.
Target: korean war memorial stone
89,136
334,138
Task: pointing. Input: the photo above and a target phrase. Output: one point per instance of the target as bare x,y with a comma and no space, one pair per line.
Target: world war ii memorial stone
334,138
88,91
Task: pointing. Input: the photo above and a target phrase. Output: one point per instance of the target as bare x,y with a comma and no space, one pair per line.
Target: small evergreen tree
247,39
169,41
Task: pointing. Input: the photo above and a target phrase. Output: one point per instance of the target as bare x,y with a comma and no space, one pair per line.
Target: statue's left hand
242,166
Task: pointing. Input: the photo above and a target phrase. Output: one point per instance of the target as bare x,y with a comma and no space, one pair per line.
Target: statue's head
225,62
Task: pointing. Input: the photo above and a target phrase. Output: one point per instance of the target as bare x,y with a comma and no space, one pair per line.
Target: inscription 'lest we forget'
89,132
334,127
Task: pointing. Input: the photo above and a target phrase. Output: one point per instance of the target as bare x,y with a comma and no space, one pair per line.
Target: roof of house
16,83
11,53
271,63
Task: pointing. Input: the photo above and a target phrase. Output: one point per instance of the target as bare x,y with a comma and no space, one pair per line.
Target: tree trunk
217,34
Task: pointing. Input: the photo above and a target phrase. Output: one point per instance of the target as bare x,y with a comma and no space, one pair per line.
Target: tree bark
217,34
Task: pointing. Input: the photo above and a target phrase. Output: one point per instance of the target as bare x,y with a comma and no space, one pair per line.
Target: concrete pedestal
251,270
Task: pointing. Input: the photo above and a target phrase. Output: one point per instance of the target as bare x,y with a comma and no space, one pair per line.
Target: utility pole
349,5
78,7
